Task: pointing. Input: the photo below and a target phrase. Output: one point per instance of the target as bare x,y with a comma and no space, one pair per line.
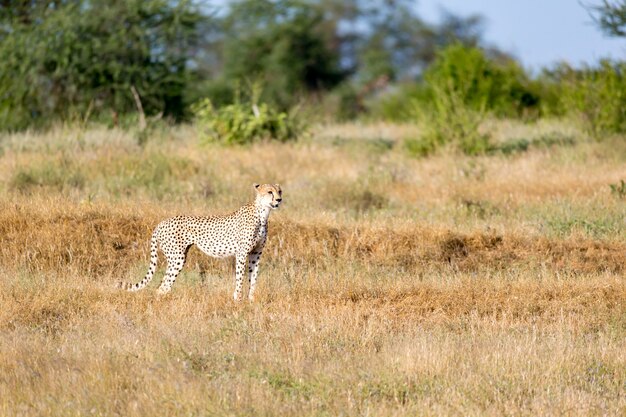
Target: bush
462,87
398,106
420,147
449,120
482,84
245,122
66,60
452,121
339,105
596,97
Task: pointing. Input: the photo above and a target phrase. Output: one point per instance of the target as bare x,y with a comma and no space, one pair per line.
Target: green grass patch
618,189
155,173
59,175
521,145
594,222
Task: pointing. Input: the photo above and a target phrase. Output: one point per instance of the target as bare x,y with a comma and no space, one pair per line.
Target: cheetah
241,234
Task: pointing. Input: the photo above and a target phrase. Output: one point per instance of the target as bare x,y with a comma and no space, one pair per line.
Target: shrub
449,121
596,97
482,84
457,123
245,122
462,87
349,104
398,106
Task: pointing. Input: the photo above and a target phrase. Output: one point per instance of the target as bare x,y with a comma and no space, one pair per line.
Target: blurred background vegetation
229,64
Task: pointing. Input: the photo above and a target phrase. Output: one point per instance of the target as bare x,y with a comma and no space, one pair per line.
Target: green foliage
480,208
596,97
462,87
456,123
619,189
520,145
348,103
449,121
82,57
397,42
610,16
595,219
288,385
154,173
244,122
400,105
596,227
548,85
301,49
284,45
480,83
59,175
77,60
513,147
466,75
553,139
420,147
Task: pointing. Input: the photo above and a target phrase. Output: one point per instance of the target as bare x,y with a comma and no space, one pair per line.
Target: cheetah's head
269,195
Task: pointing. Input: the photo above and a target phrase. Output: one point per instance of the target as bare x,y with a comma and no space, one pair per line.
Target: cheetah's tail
129,286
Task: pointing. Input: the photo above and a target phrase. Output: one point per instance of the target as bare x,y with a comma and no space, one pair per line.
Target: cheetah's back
214,235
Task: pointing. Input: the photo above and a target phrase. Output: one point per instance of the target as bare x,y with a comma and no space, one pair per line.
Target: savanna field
390,285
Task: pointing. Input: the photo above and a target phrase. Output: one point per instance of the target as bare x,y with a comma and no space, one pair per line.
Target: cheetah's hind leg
175,262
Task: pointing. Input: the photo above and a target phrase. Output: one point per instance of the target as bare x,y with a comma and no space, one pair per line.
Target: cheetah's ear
256,186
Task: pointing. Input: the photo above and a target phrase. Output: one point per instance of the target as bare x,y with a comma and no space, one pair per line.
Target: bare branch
142,115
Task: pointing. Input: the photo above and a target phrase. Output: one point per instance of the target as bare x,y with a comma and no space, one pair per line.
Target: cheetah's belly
216,239
221,247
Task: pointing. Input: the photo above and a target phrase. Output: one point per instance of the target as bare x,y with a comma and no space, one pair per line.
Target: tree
69,58
299,48
388,38
610,16
283,45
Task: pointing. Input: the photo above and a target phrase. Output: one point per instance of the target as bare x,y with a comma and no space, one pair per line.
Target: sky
537,32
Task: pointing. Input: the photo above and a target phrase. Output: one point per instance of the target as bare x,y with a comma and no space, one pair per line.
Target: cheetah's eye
272,194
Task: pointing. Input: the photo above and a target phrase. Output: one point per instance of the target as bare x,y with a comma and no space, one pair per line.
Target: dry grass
390,286
328,345
101,239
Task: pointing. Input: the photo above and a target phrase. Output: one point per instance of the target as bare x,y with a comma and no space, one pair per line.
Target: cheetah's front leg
253,269
240,269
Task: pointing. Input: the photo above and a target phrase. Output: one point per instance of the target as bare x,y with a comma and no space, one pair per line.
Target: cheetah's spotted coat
241,234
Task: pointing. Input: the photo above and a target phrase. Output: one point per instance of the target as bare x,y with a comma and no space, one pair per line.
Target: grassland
451,285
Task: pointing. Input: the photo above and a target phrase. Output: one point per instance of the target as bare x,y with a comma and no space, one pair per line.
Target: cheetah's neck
263,214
